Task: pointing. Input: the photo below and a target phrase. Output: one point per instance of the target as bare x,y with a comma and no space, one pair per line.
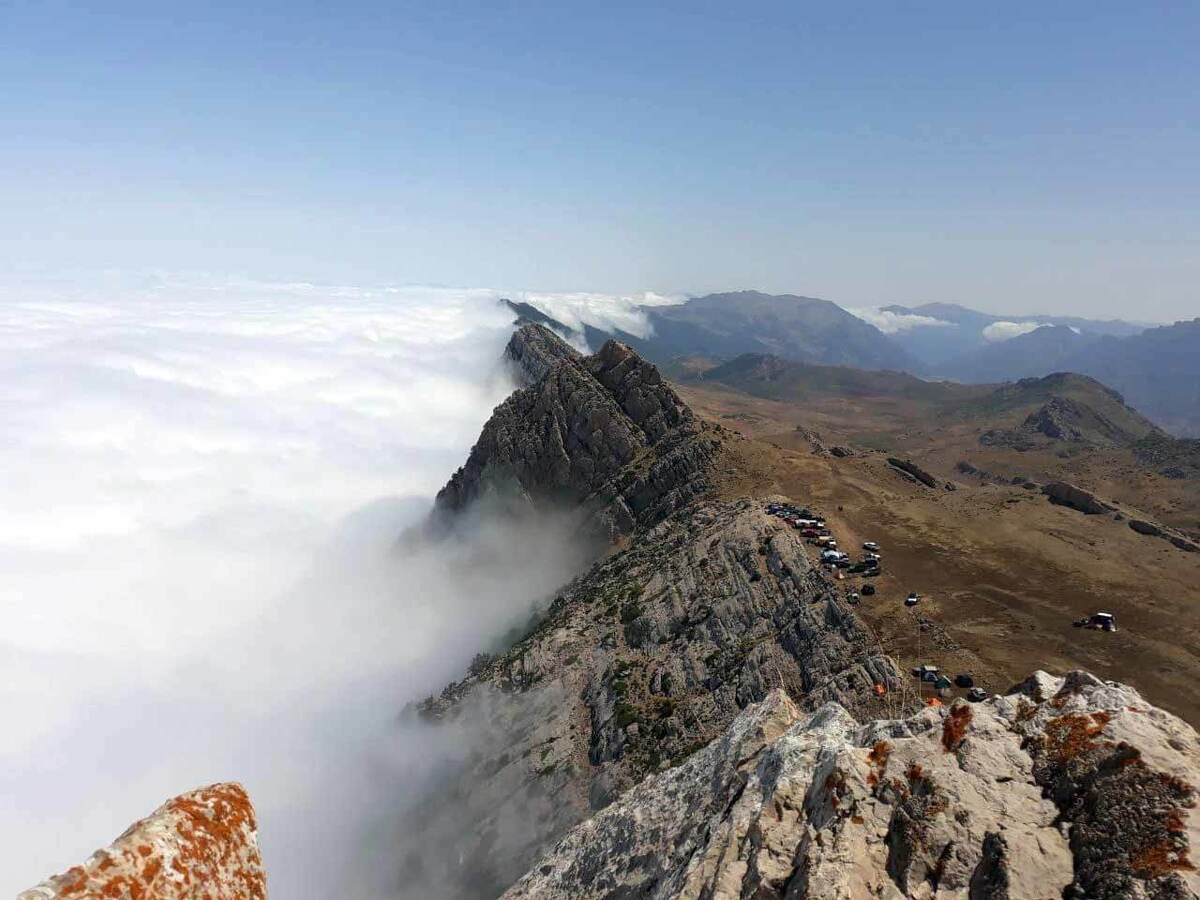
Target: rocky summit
604,431
202,845
1064,787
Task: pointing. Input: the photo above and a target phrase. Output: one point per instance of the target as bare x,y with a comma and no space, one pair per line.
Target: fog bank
203,483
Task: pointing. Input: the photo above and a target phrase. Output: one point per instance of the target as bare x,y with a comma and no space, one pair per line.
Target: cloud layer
202,487
890,322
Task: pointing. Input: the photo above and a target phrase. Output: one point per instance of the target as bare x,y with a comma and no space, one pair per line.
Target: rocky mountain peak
603,430
533,350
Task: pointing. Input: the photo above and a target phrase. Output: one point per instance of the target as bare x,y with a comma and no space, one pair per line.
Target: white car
870,545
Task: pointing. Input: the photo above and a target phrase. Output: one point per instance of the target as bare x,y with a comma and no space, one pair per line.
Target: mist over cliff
204,485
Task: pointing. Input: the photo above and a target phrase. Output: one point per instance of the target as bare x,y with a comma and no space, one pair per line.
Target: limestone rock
1063,788
1065,494
648,656
202,845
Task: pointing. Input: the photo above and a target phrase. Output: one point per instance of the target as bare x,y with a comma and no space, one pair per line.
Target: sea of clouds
202,485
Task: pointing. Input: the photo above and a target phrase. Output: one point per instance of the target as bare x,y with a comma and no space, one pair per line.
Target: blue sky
1036,157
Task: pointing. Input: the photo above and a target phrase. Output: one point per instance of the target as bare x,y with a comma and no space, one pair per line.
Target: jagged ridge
602,430
645,658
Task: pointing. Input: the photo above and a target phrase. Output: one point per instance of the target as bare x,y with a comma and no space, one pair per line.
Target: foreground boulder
202,845
1065,787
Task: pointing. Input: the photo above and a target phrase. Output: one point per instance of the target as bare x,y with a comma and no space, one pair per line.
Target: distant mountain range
1156,369
723,326
955,331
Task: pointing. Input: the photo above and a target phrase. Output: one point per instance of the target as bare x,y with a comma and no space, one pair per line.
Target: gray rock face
533,350
603,430
648,656
1065,494
1063,788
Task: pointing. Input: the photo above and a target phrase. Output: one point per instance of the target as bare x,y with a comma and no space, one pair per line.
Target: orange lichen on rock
954,729
878,758
1069,736
203,844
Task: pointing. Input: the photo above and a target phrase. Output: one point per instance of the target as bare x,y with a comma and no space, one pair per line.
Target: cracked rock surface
1065,787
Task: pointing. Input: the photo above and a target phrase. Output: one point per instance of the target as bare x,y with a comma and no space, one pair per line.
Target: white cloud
893,323
199,483
1004,331
604,311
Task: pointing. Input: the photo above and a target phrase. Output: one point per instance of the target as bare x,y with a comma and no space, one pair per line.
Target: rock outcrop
1062,419
911,469
604,431
1062,788
639,662
533,350
202,845
1066,494
1175,538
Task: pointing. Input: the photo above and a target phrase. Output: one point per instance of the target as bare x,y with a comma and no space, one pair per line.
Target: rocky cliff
639,662
1062,788
202,845
533,351
604,431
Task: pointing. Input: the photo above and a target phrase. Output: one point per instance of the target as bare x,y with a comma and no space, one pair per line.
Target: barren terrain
1003,572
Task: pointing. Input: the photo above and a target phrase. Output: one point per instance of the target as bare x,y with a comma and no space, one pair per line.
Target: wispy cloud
604,311
893,323
1005,331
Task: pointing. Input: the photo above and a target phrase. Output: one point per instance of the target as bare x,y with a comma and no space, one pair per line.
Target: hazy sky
1038,157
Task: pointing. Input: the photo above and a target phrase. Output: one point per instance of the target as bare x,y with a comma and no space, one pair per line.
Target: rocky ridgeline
604,431
533,350
202,845
1070,787
639,662
1062,419
1063,493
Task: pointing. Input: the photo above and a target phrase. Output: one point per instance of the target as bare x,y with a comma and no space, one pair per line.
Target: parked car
912,599
870,545
976,694
868,589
